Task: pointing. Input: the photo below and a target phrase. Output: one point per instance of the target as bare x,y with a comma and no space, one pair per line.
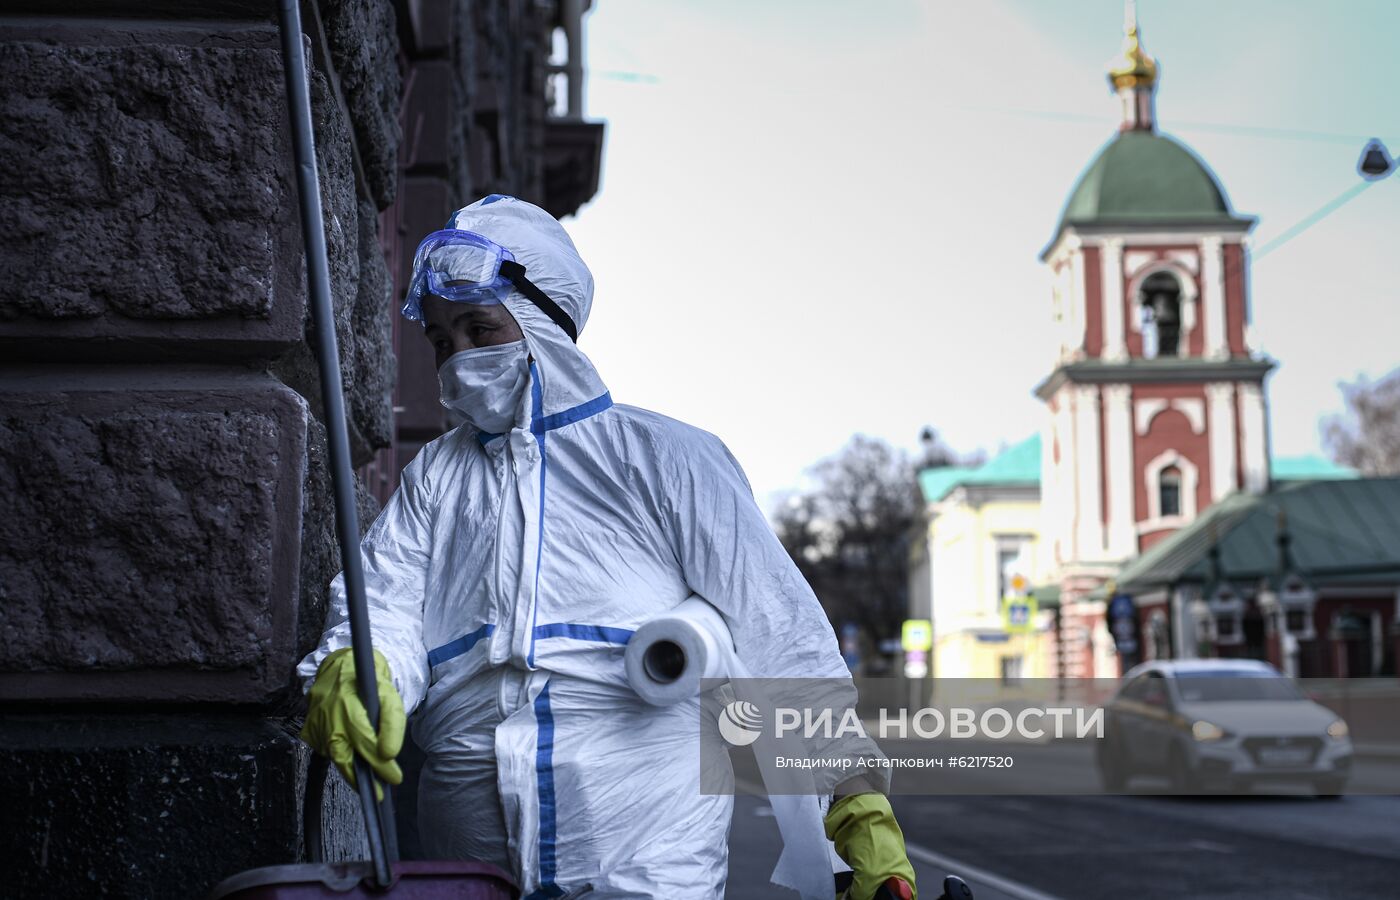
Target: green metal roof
937,482
1341,530
1047,596
1145,177
1308,468
1017,465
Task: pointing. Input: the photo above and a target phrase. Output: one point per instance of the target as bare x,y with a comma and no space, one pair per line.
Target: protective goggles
465,267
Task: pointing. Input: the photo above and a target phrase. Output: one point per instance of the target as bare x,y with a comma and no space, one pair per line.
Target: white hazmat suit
504,578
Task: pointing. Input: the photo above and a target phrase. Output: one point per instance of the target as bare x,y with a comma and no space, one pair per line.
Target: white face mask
485,384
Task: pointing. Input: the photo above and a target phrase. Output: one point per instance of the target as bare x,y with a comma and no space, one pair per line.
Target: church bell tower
1155,402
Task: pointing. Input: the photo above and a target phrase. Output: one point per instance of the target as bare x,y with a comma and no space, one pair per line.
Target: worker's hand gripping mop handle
379,819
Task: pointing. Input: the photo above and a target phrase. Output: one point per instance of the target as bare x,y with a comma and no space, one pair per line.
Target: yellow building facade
980,545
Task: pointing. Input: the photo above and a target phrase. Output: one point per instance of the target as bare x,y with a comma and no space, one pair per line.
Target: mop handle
380,828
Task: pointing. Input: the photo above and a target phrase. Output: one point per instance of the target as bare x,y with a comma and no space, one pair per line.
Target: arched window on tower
1160,301
1169,491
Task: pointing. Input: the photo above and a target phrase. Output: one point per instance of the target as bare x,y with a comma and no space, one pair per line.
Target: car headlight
1338,729
1207,731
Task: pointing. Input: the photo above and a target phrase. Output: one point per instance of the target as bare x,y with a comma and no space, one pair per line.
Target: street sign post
917,635
916,639
850,645
1018,614
1122,624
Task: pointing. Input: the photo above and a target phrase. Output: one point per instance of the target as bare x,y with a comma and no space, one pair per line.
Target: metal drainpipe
572,15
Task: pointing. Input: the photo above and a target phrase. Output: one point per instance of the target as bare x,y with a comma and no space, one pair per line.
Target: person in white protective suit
521,551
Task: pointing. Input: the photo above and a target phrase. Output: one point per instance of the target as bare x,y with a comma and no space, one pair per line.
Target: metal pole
379,823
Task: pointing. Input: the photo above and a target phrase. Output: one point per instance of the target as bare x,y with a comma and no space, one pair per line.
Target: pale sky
821,218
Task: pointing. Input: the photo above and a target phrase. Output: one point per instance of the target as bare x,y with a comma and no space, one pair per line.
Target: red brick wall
1170,429
1325,655
1236,310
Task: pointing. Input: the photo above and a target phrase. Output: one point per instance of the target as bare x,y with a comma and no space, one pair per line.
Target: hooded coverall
504,578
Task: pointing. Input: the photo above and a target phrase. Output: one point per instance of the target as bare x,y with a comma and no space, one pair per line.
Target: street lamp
1375,162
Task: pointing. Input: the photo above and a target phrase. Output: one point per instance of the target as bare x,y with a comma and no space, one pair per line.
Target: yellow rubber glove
869,840
337,724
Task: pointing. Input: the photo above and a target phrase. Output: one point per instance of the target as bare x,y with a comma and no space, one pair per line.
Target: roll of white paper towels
667,657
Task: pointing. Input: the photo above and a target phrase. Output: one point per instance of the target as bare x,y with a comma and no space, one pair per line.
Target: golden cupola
1133,76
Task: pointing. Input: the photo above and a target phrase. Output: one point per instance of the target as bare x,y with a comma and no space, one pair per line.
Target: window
1135,689
1158,636
1011,561
1235,685
1160,299
1169,492
1006,564
1298,601
1154,691
1169,481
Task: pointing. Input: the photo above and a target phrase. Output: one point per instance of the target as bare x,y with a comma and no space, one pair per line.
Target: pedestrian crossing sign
1018,614
916,635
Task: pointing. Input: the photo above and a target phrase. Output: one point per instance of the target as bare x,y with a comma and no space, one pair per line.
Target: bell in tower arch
1160,298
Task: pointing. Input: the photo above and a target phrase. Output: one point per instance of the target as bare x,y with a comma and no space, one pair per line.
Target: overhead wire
1252,131
1312,218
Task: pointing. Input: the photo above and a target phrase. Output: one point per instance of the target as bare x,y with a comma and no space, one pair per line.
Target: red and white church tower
1156,403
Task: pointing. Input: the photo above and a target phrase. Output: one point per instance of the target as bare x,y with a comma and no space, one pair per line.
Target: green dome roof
1145,177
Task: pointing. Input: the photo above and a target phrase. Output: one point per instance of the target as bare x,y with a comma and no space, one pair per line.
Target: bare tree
850,534
1367,435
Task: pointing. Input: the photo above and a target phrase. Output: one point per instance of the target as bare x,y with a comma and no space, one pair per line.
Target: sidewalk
1377,751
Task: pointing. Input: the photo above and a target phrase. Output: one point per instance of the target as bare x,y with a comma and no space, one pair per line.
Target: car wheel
1183,779
1113,770
1329,788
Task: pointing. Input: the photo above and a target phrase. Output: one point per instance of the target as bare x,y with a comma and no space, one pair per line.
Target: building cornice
1187,231
1154,371
1009,492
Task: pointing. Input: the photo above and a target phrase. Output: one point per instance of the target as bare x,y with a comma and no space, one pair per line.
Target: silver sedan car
1220,723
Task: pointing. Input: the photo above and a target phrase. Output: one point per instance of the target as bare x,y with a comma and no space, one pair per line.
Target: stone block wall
166,524
149,524
147,207
166,527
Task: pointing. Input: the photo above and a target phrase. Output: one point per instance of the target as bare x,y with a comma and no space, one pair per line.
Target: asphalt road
1120,847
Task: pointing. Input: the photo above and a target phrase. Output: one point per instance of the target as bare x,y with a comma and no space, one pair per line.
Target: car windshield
1224,685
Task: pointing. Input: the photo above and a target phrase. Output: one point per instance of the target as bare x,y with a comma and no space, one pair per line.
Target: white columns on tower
1088,475
1254,438
1220,413
1118,434
1111,287
1058,506
1077,307
1217,341
1136,104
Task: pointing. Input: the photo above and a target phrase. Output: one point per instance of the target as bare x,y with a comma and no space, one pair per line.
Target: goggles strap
514,272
